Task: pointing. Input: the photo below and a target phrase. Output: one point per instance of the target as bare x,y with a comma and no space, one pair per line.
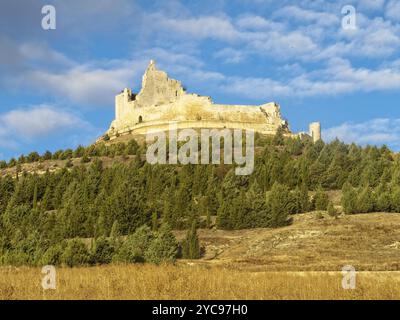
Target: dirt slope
365,241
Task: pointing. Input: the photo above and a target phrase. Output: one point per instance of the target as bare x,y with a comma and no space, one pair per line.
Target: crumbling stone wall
162,100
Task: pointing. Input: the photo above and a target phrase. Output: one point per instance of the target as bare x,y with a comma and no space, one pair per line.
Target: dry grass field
193,282
300,261
369,242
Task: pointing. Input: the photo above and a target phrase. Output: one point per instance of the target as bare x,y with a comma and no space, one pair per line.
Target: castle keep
162,100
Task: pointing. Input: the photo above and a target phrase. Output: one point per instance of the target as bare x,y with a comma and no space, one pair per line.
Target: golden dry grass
193,282
369,242
301,261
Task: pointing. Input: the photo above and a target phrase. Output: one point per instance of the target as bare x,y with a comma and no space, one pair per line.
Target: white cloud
34,127
338,77
35,52
393,10
229,55
307,16
39,121
214,27
255,88
253,22
374,132
283,46
310,40
83,84
289,33
371,4
94,83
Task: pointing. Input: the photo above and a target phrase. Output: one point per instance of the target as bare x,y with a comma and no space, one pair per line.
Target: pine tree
102,251
279,203
164,247
135,246
304,199
115,230
35,197
279,139
46,202
154,221
384,202
75,254
191,246
349,197
321,199
365,201
396,199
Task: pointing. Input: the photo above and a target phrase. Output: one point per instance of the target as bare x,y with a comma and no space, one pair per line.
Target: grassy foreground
193,282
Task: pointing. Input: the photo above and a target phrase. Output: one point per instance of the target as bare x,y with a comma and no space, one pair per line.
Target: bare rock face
162,100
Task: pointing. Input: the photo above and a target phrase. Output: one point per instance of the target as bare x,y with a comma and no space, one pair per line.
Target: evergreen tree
321,200
396,199
163,248
102,251
52,255
365,201
279,203
154,221
384,202
75,254
349,198
35,197
191,246
135,246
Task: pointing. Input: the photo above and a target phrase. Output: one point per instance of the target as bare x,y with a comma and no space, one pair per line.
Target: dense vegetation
44,218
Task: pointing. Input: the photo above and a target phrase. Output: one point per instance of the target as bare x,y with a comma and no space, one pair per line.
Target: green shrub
134,248
69,164
75,254
163,248
332,210
321,200
85,159
52,255
102,251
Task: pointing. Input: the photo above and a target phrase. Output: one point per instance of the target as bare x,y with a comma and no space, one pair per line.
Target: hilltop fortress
162,100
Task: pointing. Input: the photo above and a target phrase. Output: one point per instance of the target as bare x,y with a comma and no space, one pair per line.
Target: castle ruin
162,100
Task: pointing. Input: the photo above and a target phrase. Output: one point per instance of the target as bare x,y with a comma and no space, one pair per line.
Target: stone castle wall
162,100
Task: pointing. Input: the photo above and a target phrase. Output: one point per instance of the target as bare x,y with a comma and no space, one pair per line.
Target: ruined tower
315,131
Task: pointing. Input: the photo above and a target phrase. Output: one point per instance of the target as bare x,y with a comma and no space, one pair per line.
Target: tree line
48,217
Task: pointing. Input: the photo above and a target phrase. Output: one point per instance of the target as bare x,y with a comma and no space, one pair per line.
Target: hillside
365,241
41,167
130,210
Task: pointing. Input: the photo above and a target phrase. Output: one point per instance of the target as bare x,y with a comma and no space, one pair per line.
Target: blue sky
57,87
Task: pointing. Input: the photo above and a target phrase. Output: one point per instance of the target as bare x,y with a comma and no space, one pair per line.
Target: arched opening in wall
140,119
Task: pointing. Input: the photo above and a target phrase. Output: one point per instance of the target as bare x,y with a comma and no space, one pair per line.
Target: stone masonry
162,100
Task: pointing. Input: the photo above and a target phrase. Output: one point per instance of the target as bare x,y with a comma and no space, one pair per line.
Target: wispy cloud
337,77
306,16
305,35
33,124
38,121
373,132
229,55
393,10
